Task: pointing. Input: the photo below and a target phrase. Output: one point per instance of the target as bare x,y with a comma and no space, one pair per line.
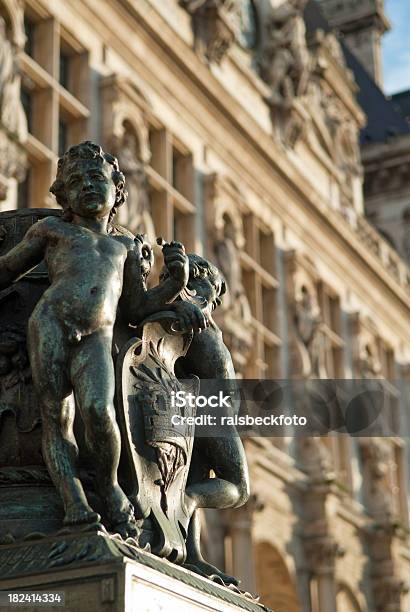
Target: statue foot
120,513
76,515
200,566
127,529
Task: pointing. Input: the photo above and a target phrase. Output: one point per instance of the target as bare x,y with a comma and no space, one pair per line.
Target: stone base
100,572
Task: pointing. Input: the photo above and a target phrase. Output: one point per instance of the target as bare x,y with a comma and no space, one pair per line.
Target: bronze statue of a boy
92,273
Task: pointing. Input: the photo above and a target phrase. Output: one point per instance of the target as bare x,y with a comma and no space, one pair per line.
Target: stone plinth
99,572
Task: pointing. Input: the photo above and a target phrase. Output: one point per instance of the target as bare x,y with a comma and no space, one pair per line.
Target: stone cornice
278,463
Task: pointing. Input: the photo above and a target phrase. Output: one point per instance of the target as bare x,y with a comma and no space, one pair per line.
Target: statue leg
226,457
230,489
195,561
92,375
48,351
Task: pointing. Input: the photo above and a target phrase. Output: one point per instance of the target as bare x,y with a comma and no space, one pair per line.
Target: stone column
321,554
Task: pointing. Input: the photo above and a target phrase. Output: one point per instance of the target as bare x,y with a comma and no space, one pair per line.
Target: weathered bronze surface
87,364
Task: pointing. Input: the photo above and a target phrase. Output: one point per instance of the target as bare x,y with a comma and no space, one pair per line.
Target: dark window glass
23,192
64,70
27,102
62,138
29,32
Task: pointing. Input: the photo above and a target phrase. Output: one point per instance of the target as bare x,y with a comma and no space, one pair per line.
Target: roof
402,102
384,117
315,19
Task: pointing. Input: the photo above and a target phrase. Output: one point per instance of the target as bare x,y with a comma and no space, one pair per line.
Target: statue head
206,284
89,181
205,281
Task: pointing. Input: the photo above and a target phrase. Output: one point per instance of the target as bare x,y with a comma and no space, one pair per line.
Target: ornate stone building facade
385,141
237,125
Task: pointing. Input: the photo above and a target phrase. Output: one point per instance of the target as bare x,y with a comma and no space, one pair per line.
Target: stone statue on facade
309,336
376,458
227,256
236,308
85,387
12,116
213,25
285,57
138,213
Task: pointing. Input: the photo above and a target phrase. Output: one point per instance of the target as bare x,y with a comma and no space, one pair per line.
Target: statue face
90,190
205,289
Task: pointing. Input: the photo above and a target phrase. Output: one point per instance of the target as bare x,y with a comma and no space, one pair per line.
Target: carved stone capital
322,553
388,593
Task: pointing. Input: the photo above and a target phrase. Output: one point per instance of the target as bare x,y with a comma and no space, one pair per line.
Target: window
62,137
329,304
27,102
171,187
23,193
56,108
260,283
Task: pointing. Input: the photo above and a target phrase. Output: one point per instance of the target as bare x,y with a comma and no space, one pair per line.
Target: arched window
273,580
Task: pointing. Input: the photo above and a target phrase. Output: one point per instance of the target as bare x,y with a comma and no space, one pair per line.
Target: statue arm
138,302
24,256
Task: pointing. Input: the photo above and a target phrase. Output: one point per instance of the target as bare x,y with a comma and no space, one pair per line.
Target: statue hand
191,317
176,261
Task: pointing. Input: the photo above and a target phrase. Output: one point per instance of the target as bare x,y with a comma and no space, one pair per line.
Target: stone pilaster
240,530
321,554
